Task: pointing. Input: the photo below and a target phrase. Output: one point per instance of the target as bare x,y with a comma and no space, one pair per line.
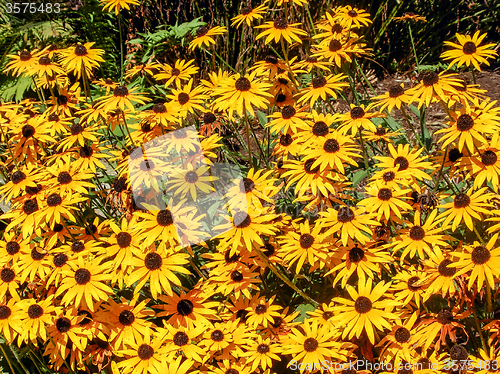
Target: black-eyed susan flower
249,14
410,16
441,271
24,61
191,180
395,97
469,51
261,352
107,84
181,71
181,340
10,319
409,285
204,36
281,29
366,311
433,87
321,87
483,260
81,56
465,207
45,67
35,317
288,119
351,17
117,5
269,67
122,98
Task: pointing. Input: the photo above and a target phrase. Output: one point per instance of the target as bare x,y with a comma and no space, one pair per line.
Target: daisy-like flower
45,67
81,56
338,51
188,99
59,206
107,83
181,340
249,14
288,119
395,97
409,285
280,28
187,309
433,87
351,17
181,71
313,62
122,97
385,201
486,166
322,87
466,206
190,180
117,5
261,352
411,17
304,243
158,268
332,151
35,317
312,344
468,126
484,261
262,312
269,67
358,117
441,271
407,162
204,36
348,222
366,311
422,238
24,61
20,179
469,51
10,319
382,134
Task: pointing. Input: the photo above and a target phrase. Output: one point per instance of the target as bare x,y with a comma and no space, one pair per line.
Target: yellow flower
80,57
204,36
117,5
280,28
469,52
248,15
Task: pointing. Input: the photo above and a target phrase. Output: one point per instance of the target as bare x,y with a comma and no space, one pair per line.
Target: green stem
413,46
285,52
7,358
121,47
473,75
247,127
488,296
126,127
364,151
478,327
440,171
10,150
221,59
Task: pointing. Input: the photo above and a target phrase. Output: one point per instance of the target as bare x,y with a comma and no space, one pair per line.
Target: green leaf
358,176
262,118
303,309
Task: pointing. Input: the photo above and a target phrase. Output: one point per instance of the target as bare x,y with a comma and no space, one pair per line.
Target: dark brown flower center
77,247
362,305
334,45
465,123
181,338
319,82
280,98
201,31
260,309
411,284
209,118
35,311
232,371
63,324
345,214
159,108
402,162
28,131
62,100
246,185
310,345
445,316
469,48
53,117
286,140
191,177
462,200
87,319
123,239
331,146
217,336
352,13
5,312
270,250
54,200
327,315
424,363
246,10
153,261
76,129
145,352
277,322
242,84
120,184
64,178
389,176
458,353
417,233
288,112
25,55
430,78
280,23
82,276
183,98
30,206
270,59
356,254
120,91
7,275
180,134
489,158
455,155
175,71
37,256
12,248
337,28
306,241
164,218
396,91
384,194
263,349
320,128
308,165
185,307
126,317
241,220
60,260
480,255
445,270
44,60
402,335
17,177
231,259
380,131
80,50
236,276
357,112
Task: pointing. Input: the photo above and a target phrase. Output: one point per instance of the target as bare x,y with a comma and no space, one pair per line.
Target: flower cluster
350,234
